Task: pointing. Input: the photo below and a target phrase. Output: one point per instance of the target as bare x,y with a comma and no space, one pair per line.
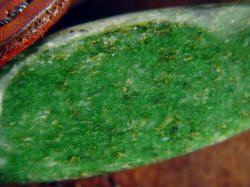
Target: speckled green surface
127,96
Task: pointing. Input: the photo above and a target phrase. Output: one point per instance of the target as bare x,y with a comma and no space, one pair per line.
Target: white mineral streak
5,80
193,16
2,162
102,25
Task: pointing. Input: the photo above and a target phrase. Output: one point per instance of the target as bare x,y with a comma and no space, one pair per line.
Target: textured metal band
29,25
15,12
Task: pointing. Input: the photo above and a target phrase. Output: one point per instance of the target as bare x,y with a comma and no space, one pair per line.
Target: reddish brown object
7,6
28,26
98,181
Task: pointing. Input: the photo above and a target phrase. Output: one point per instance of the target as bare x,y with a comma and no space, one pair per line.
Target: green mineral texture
125,91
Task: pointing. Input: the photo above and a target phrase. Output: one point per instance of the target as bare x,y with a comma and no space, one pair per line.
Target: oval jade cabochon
125,91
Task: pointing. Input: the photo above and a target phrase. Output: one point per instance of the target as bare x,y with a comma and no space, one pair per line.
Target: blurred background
89,10
224,165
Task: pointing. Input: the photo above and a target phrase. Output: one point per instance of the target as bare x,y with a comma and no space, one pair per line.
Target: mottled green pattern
123,98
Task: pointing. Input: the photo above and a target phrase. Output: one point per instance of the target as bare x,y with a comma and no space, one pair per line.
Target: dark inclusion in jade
123,98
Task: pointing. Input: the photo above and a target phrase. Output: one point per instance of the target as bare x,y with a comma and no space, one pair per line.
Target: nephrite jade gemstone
125,91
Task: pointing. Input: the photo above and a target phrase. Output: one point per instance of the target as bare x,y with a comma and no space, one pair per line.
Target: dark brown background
89,10
223,165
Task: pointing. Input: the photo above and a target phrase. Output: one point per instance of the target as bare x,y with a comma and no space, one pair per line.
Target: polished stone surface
124,92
